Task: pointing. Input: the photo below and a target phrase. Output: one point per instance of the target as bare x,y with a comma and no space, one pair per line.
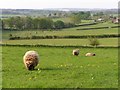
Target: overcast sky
40,4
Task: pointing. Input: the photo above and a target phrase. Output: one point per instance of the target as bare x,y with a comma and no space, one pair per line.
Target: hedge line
98,28
68,25
38,45
87,24
68,37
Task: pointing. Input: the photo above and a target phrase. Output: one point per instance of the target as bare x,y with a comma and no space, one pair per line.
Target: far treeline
22,23
28,22
47,22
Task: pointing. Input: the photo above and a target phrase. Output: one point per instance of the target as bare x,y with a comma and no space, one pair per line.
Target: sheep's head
31,59
93,54
76,52
29,65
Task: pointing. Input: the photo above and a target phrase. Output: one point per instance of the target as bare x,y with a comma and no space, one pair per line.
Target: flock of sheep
76,53
31,58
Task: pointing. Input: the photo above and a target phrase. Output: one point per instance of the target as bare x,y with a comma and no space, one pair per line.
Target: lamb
31,60
75,52
90,54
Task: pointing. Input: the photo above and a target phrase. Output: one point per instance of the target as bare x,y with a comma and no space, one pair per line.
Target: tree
35,23
59,24
19,23
75,18
49,23
28,23
86,15
69,25
2,24
94,41
49,15
99,14
10,22
45,23
55,14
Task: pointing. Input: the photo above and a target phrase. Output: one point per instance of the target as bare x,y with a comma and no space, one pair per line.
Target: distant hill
42,12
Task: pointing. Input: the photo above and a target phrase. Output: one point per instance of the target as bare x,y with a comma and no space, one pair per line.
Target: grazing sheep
75,52
31,59
90,54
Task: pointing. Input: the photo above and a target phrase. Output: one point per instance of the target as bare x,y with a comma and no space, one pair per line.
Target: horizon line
59,8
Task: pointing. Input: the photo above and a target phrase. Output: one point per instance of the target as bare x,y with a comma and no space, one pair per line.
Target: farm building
100,19
115,20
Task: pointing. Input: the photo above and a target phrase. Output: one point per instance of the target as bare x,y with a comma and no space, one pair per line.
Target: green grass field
63,42
65,32
105,24
60,69
68,20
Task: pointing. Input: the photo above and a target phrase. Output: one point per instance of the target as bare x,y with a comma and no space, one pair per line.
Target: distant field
109,23
106,24
64,32
67,20
64,42
62,19
60,69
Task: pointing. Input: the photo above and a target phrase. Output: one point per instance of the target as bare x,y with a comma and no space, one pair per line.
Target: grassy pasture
63,42
105,24
67,20
60,69
64,32
108,23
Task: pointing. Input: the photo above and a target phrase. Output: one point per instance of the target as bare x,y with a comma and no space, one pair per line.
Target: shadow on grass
47,68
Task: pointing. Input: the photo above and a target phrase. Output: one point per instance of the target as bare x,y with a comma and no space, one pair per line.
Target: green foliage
10,22
99,14
28,23
22,23
59,24
11,37
45,23
2,24
84,15
69,25
19,23
93,41
35,23
76,19
42,23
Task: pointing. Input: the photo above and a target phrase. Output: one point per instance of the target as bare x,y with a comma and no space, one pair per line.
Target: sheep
31,59
90,54
75,52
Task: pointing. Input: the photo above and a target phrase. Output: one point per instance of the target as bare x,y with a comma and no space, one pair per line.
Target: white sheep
31,59
75,52
90,54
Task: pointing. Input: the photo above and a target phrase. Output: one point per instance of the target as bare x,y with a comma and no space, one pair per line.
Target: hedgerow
62,37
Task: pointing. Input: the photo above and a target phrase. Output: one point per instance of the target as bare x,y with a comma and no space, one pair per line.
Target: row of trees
21,23
77,17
